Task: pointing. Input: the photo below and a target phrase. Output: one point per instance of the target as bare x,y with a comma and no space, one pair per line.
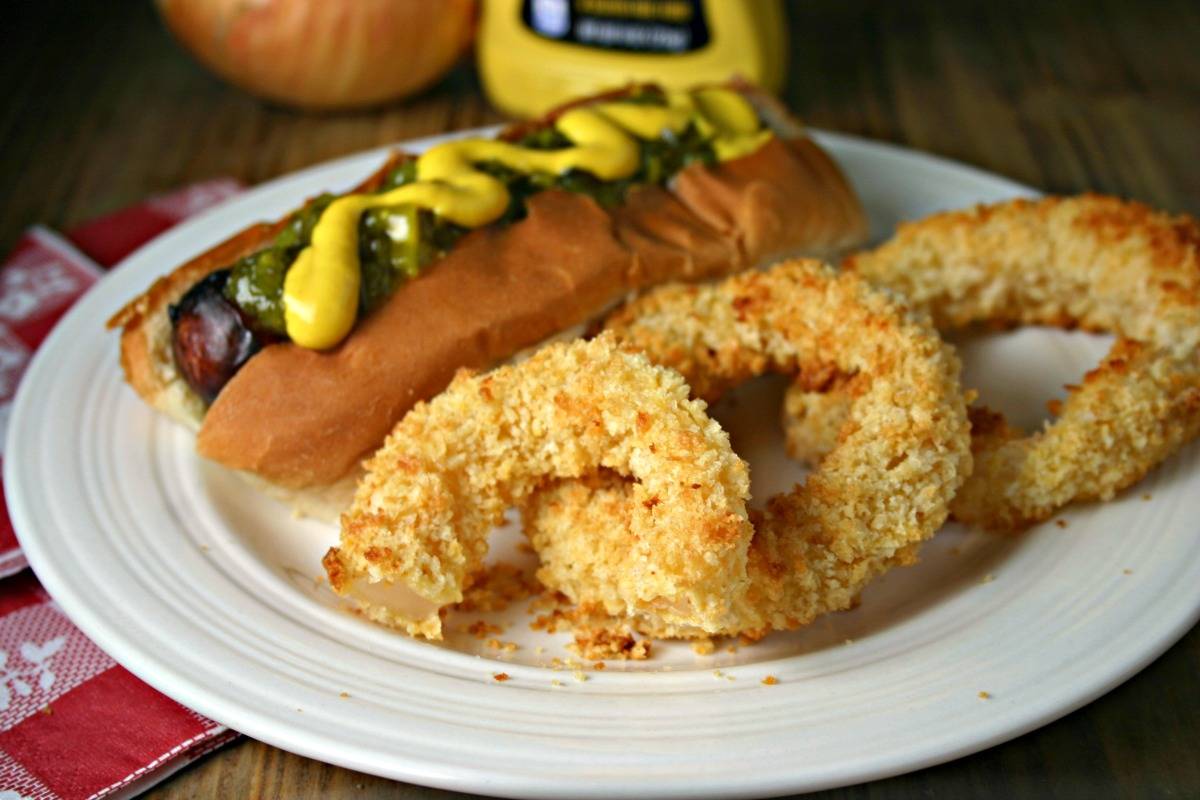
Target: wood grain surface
101,108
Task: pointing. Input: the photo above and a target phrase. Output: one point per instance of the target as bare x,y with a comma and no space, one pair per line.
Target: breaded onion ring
1093,262
454,465
877,495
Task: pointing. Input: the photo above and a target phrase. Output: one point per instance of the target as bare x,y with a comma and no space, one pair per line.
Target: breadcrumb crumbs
703,647
770,680
1126,572
1062,523
599,666
608,642
547,601
343,695
985,696
482,629
496,644
987,578
555,622
500,677
498,586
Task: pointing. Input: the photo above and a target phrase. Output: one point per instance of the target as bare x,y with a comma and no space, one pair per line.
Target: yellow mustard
320,292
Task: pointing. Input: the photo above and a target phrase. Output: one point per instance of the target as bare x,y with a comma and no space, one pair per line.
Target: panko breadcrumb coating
453,466
1094,262
884,488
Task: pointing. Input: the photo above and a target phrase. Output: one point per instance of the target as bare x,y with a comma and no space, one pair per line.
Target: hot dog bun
304,419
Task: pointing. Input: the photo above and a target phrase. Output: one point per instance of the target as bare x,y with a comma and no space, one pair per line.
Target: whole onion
325,54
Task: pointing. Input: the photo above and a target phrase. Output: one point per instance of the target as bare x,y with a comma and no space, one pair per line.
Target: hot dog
298,397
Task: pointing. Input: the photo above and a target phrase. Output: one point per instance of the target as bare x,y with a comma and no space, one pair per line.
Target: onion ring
1094,262
453,466
883,490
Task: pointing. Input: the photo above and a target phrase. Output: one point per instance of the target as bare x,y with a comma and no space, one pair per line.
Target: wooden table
101,108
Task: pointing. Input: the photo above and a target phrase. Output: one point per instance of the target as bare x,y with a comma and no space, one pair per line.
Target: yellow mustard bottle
536,54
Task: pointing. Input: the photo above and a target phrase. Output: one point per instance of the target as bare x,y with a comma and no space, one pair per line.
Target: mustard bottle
536,54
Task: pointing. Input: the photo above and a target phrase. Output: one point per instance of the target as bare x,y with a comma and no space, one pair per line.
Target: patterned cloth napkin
74,724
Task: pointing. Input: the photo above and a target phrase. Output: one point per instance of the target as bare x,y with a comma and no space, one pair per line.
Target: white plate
206,590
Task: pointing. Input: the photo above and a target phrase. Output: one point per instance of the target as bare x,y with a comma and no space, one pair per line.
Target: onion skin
323,54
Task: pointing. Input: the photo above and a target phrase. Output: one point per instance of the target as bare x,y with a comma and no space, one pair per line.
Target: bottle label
642,26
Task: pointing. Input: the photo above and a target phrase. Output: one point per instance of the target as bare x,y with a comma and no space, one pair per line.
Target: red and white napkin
74,724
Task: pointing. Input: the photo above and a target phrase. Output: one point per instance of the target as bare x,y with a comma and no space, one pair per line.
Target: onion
325,54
